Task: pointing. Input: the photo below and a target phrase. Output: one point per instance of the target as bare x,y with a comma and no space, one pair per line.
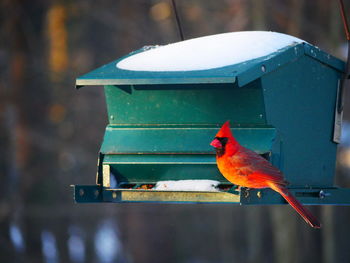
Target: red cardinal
246,168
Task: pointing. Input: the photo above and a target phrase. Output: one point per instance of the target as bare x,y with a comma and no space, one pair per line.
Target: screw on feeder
259,194
246,193
322,194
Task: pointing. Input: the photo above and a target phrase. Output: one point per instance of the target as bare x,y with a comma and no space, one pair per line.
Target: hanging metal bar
178,22
345,81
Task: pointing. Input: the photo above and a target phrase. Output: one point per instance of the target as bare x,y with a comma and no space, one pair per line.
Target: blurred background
50,136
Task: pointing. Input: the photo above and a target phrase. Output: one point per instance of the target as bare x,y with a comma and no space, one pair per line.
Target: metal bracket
313,196
92,194
99,173
338,113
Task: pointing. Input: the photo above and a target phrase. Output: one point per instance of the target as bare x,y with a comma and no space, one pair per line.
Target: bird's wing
256,167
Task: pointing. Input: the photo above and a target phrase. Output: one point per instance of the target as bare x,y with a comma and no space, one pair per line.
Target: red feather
246,168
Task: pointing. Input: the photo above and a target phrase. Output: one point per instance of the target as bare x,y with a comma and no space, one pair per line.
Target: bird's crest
225,130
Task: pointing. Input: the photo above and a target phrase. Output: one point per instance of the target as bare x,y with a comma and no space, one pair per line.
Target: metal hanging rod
178,22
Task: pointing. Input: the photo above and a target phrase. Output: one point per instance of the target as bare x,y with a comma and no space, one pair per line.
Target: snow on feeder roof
209,52
238,57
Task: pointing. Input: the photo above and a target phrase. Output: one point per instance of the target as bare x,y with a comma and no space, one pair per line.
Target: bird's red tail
305,213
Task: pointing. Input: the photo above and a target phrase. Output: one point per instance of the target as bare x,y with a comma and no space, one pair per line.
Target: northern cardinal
246,168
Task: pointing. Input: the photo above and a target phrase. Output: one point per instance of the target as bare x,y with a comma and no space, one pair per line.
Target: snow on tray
209,52
188,185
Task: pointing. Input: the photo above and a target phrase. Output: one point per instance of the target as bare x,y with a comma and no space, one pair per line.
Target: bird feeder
166,103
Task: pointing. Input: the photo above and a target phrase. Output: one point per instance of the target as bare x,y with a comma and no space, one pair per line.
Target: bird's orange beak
216,143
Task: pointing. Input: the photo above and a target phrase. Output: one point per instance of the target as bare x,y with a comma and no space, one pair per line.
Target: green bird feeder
166,103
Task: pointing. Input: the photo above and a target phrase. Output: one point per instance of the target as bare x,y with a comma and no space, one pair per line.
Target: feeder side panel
300,102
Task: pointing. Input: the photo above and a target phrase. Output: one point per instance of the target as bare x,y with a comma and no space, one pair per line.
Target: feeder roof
209,52
223,58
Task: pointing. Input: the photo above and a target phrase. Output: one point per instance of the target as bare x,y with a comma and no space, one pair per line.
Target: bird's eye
223,140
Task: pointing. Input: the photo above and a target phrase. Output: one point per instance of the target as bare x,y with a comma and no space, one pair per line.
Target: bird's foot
235,188
240,188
